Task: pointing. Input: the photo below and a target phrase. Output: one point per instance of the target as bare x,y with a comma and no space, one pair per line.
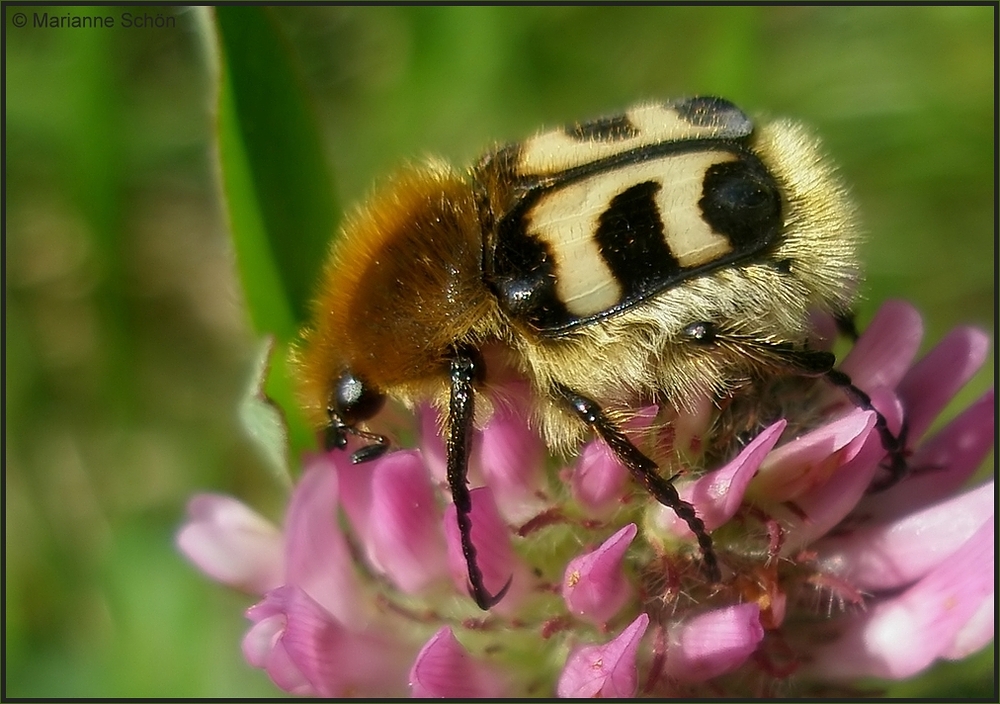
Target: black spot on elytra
705,111
740,200
603,129
631,239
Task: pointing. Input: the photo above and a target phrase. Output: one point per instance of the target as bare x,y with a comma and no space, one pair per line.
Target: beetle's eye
352,400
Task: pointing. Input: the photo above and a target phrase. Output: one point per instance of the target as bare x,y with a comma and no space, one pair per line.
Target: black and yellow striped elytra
669,254
605,234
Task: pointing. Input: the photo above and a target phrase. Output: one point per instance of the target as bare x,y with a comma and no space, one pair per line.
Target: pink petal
904,635
407,542
432,443
268,618
882,354
262,647
232,544
354,491
976,634
809,461
889,556
717,496
334,661
444,668
607,670
714,643
932,381
886,348
317,558
390,504
692,422
940,465
594,585
494,553
598,480
338,662
511,459
823,507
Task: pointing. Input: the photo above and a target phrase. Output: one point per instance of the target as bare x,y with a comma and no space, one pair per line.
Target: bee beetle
662,255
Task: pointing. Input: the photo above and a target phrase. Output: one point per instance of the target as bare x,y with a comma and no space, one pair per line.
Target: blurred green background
127,344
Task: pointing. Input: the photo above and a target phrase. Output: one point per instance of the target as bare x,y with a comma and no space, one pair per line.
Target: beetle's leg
812,363
644,470
806,362
463,371
895,445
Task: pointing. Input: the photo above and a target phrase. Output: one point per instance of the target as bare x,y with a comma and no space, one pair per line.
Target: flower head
364,591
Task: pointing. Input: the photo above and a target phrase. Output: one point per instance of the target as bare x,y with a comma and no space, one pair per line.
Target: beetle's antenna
335,438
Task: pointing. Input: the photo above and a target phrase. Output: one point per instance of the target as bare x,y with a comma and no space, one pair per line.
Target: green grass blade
278,189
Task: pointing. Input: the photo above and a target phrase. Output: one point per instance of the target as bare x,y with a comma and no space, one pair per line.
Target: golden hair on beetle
401,286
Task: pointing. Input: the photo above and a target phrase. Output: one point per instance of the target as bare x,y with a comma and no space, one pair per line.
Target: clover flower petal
263,648
977,632
432,443
881,356
510,457
820,509
317,558
598,481
941,464
314,653
887,556
717,496
392,509
904,634
232,543
810,460
938,376
594,586
607,670
714,643
443,668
